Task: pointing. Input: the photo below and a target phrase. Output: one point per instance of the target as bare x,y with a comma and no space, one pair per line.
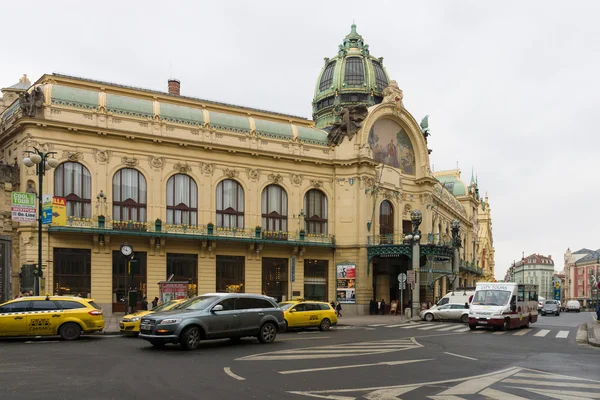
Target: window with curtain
274,208
129,195
315,206
230,204
74,182
182,200
386,222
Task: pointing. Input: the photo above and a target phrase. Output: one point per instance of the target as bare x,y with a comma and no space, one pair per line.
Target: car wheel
268,332
70,331
287,326
528,325
429,317
506,325
543,314
464,318
157,344
190,338
472,327
325,324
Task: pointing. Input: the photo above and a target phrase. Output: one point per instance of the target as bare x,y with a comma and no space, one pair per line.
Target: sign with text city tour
23,207
59,211
410,274
47,209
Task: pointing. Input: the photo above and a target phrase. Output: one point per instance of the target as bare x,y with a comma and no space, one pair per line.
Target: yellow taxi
131,322
66,316
307,313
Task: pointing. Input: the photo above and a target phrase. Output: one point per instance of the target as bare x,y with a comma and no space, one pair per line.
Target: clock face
126,250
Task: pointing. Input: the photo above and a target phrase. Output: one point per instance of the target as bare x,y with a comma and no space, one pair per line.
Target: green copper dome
352,77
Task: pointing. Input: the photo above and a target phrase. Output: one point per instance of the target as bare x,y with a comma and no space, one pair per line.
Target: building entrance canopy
398,250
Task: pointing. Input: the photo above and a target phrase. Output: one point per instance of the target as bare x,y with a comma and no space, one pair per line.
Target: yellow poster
59,211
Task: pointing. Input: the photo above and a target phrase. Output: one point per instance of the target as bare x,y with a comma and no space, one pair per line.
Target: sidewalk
111,324
593,332
373,319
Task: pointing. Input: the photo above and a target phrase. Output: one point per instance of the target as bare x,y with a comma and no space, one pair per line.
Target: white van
455,297
503,305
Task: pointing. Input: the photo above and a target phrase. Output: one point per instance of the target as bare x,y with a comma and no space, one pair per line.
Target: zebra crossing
427,327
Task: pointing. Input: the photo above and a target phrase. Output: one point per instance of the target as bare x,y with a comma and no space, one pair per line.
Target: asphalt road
377,362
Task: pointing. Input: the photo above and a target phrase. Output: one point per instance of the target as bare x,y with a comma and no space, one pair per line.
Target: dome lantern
352,77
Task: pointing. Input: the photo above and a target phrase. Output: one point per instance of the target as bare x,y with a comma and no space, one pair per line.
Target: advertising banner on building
59,211
23,207
346,283
172,291
47,209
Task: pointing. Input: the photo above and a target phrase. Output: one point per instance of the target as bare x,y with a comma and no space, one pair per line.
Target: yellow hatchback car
68,317
306,313
131,322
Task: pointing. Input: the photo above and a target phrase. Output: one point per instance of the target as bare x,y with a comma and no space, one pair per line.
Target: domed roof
352,77
451,181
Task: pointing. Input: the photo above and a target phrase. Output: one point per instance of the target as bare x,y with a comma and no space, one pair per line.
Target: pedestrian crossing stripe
337,350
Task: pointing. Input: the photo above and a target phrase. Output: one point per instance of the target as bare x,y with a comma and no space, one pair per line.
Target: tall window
74,182
129,195
315,204
386,222
355,71
327,77
230,204
182,200
380,78
274,208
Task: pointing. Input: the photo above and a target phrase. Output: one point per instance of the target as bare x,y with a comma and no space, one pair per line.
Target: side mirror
216,308
293,310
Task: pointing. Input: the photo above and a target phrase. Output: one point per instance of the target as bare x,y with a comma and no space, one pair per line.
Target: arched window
315,206
327,77
274,208
386,223
380,78
182,200
129,195
74,182
230,204
355,71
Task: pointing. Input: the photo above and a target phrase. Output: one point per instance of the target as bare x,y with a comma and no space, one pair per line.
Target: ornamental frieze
252,173
183,168
296,179
230,173
207,168
275,178
157,162
130,161
73,156
102,156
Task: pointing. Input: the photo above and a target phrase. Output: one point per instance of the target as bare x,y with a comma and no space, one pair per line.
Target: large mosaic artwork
391,146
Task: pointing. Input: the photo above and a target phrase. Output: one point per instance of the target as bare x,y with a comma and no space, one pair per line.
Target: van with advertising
503,305
456,297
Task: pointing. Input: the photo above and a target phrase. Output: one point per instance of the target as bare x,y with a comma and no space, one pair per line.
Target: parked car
303,314
541,301
573,305
215,316
449,311
551,307
131,322
65,316
456,297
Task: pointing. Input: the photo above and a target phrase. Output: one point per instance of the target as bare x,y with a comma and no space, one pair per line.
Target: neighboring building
230,198
534,269
582,274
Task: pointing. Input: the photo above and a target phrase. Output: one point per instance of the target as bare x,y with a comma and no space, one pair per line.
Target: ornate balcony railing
470,267
207,231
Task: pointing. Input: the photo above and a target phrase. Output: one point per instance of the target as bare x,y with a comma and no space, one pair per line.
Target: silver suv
215,316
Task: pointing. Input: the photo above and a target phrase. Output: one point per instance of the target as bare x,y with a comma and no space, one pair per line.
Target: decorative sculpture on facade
425,127
31,102
456,242
393,94
350,122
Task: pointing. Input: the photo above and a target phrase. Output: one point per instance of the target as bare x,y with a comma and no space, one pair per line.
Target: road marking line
449,328
463,330
376,324
41,341
298,371
430,327
553,383
415,325
562,334
496,394
231,374
542,333
305,338
458,355
479,331
522,332
308,332
499,333
546,376
394,326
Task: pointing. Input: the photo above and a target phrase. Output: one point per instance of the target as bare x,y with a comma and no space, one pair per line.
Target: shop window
122,279
230,274
73,182
275,278
315,279
72,272
230,204
184,268
182,200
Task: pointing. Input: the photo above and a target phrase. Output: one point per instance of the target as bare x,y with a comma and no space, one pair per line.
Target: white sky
511,87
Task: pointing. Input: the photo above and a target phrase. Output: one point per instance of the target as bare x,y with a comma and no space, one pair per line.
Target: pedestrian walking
155,302
372,306
382,306
338,309
332,304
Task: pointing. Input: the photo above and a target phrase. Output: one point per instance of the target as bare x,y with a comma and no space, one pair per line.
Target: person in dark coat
338,309
372,307
382,307
155,302
144,304
332,304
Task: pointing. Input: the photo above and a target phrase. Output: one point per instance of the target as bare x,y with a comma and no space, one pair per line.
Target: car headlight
169,321
134,319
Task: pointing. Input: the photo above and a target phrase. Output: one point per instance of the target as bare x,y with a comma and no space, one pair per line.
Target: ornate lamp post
42,162
414,238
456,243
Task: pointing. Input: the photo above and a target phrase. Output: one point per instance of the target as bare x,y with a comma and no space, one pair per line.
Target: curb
591,336
582,334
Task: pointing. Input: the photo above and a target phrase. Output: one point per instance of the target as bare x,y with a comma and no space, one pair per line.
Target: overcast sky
511,87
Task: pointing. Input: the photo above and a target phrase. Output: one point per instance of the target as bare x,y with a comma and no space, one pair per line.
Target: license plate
482,322
145,327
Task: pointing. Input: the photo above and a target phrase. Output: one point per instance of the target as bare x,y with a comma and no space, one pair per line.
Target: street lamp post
414,238
456,242
42,163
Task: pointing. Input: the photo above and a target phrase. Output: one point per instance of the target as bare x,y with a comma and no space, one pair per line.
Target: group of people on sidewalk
378,307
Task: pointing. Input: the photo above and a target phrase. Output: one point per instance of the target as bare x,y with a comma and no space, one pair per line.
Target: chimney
174,86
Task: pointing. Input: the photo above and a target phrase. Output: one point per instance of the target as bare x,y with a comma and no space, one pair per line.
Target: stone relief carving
207,168
275,178
368,182
316,184
30,103
130,161
183,168
349,123
253,174
230,173
407,209
297,179
157,162
31,142
393,94
103,156
73,156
